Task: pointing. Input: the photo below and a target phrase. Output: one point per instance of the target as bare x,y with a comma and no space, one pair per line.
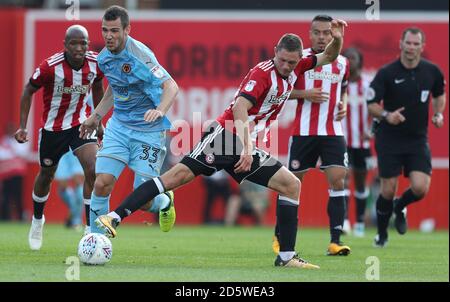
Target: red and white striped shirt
319,119
267,90
356,123
65,90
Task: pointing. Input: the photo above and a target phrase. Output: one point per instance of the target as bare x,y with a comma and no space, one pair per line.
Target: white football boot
35,235
346,228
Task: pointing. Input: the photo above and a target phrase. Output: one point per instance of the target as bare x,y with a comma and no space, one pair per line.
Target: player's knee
420,191
388,193
102,187
292,188
177,177
338,184
46,175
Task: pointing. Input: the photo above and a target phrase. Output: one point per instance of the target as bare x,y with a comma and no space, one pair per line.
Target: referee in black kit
401,139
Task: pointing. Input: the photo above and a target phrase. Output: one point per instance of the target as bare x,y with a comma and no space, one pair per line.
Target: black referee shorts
220,149
397,155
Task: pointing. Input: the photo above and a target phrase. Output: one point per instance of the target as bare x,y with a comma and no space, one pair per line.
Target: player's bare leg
419,186
86,154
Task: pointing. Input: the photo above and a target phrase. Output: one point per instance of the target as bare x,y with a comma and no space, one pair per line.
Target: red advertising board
209,58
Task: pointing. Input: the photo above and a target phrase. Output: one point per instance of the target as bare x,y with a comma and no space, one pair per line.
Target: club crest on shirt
424,96
250,85
339,66
278,100
126,68
90,76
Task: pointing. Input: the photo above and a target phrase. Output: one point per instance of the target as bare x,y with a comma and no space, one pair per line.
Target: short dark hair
290,42
414,31
322,18
114,12
346,52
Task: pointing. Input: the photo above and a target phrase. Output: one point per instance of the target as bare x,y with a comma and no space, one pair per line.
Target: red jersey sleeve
306,64
254,85
41,75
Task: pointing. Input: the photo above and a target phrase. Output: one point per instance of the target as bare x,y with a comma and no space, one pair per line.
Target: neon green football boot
167,217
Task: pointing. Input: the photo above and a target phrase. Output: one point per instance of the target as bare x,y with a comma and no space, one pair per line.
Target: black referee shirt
400,87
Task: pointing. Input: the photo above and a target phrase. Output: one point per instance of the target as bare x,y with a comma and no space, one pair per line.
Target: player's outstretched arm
25,104
314,95
91,124
97,96
240,113
170,91
333,49
97,92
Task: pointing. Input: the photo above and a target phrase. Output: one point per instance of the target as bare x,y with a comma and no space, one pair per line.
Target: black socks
336,212
384,212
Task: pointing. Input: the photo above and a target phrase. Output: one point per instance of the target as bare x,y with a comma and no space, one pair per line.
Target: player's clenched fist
21,135
337,28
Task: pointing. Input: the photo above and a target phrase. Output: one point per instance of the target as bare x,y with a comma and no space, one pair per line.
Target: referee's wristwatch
384,114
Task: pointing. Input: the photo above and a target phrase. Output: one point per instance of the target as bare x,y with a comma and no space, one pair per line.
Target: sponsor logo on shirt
121,91
323,75
80,89
277,100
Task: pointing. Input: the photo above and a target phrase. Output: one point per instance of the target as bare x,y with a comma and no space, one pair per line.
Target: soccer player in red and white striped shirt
317,130
357,132
67,78
229,145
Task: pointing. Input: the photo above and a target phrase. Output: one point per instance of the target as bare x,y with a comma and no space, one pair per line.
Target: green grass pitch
188,253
